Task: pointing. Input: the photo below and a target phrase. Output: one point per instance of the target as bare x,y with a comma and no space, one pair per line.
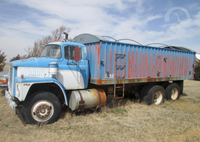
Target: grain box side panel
93,56
142,63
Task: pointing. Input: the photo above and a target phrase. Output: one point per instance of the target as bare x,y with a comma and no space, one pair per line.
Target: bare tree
40,44
57,33
197,70
15,58
2,60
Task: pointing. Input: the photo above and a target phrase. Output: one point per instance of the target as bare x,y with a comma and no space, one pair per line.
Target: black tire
41,108
155,95
181,86
144,92
172,92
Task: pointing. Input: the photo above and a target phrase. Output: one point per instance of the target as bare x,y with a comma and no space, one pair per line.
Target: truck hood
33,62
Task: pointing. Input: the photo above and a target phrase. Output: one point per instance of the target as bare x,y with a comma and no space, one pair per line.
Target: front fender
27,82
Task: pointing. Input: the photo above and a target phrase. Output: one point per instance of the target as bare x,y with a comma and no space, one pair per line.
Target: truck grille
11,75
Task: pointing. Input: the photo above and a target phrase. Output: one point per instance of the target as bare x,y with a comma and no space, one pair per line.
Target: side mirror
77,54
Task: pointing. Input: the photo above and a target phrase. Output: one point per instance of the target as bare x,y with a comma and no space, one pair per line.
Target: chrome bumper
11,103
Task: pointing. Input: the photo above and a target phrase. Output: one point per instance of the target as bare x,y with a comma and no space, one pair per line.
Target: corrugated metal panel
142,63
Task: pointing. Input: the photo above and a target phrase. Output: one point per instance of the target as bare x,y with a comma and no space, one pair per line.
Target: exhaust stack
66,36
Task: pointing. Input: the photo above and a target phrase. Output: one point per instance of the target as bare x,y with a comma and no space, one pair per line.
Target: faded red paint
190,64
132,64
176,65
115,62
136,63
168,65
165,65
153,65
129,65
171,65
146,66
124,63
143,63
160,64
110,62
98,59
173,58
193,69
119,63
156,70
185,68
132,68
181,66
105,63
139,64
182,62
150,66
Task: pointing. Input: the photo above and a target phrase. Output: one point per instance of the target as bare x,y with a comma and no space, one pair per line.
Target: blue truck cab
40,84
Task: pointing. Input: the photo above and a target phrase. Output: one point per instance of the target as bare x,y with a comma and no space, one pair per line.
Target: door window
69,53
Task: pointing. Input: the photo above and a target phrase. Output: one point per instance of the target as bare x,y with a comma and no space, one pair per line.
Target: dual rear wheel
173,92
156,94
153,94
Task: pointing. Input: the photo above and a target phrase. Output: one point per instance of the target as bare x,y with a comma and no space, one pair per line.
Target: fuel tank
89,98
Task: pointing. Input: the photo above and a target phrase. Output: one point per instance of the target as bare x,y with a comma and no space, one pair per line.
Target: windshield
52,51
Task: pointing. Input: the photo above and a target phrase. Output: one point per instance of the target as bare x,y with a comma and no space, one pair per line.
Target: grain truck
81,74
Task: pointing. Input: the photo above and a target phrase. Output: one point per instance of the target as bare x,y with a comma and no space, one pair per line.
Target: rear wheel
43,107
155,95
144,91
172,92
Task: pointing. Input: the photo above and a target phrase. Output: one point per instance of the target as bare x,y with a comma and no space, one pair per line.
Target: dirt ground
125,120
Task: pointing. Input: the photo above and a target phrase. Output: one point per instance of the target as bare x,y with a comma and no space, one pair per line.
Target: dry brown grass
124,121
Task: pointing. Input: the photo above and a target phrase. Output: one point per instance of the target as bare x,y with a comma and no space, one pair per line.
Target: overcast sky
173,22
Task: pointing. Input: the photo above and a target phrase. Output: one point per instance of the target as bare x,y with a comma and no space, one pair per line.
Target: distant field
125,120
6,67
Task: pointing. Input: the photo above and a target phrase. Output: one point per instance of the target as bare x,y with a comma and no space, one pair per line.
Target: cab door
71,74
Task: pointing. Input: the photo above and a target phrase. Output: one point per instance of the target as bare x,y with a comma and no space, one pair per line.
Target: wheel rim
42,110
157,99
174,94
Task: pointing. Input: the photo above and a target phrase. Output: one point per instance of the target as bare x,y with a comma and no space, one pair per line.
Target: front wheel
43,107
